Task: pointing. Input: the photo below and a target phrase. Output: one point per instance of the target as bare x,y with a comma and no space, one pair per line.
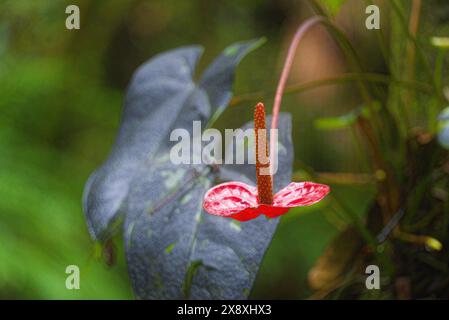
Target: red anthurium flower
242,202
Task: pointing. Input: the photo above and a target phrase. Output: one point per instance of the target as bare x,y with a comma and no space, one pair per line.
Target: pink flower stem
303,28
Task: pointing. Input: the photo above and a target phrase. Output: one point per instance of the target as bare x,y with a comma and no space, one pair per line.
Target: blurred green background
61,95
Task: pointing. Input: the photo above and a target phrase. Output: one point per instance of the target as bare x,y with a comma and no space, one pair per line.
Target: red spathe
239,201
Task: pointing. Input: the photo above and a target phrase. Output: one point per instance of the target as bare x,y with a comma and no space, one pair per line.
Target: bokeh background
61,94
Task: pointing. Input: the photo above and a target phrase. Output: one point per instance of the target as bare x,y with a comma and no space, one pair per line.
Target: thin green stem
411,52
341,207
338,79
438,77
403,22
380,38
359,149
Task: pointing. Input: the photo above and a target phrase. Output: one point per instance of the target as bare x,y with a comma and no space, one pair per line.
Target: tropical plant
174,250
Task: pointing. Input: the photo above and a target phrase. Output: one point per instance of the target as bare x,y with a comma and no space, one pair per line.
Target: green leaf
334,123
440,42
346,120
333,6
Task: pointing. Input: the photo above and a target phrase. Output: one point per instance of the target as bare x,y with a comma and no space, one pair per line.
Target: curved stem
303,28
372,134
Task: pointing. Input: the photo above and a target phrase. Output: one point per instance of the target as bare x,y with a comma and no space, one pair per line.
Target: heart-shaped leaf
162,96
173,249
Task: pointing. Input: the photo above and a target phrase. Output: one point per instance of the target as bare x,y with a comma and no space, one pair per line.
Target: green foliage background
61,96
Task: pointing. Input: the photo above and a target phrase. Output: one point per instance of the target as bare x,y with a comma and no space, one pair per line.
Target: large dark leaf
175,250
161,96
